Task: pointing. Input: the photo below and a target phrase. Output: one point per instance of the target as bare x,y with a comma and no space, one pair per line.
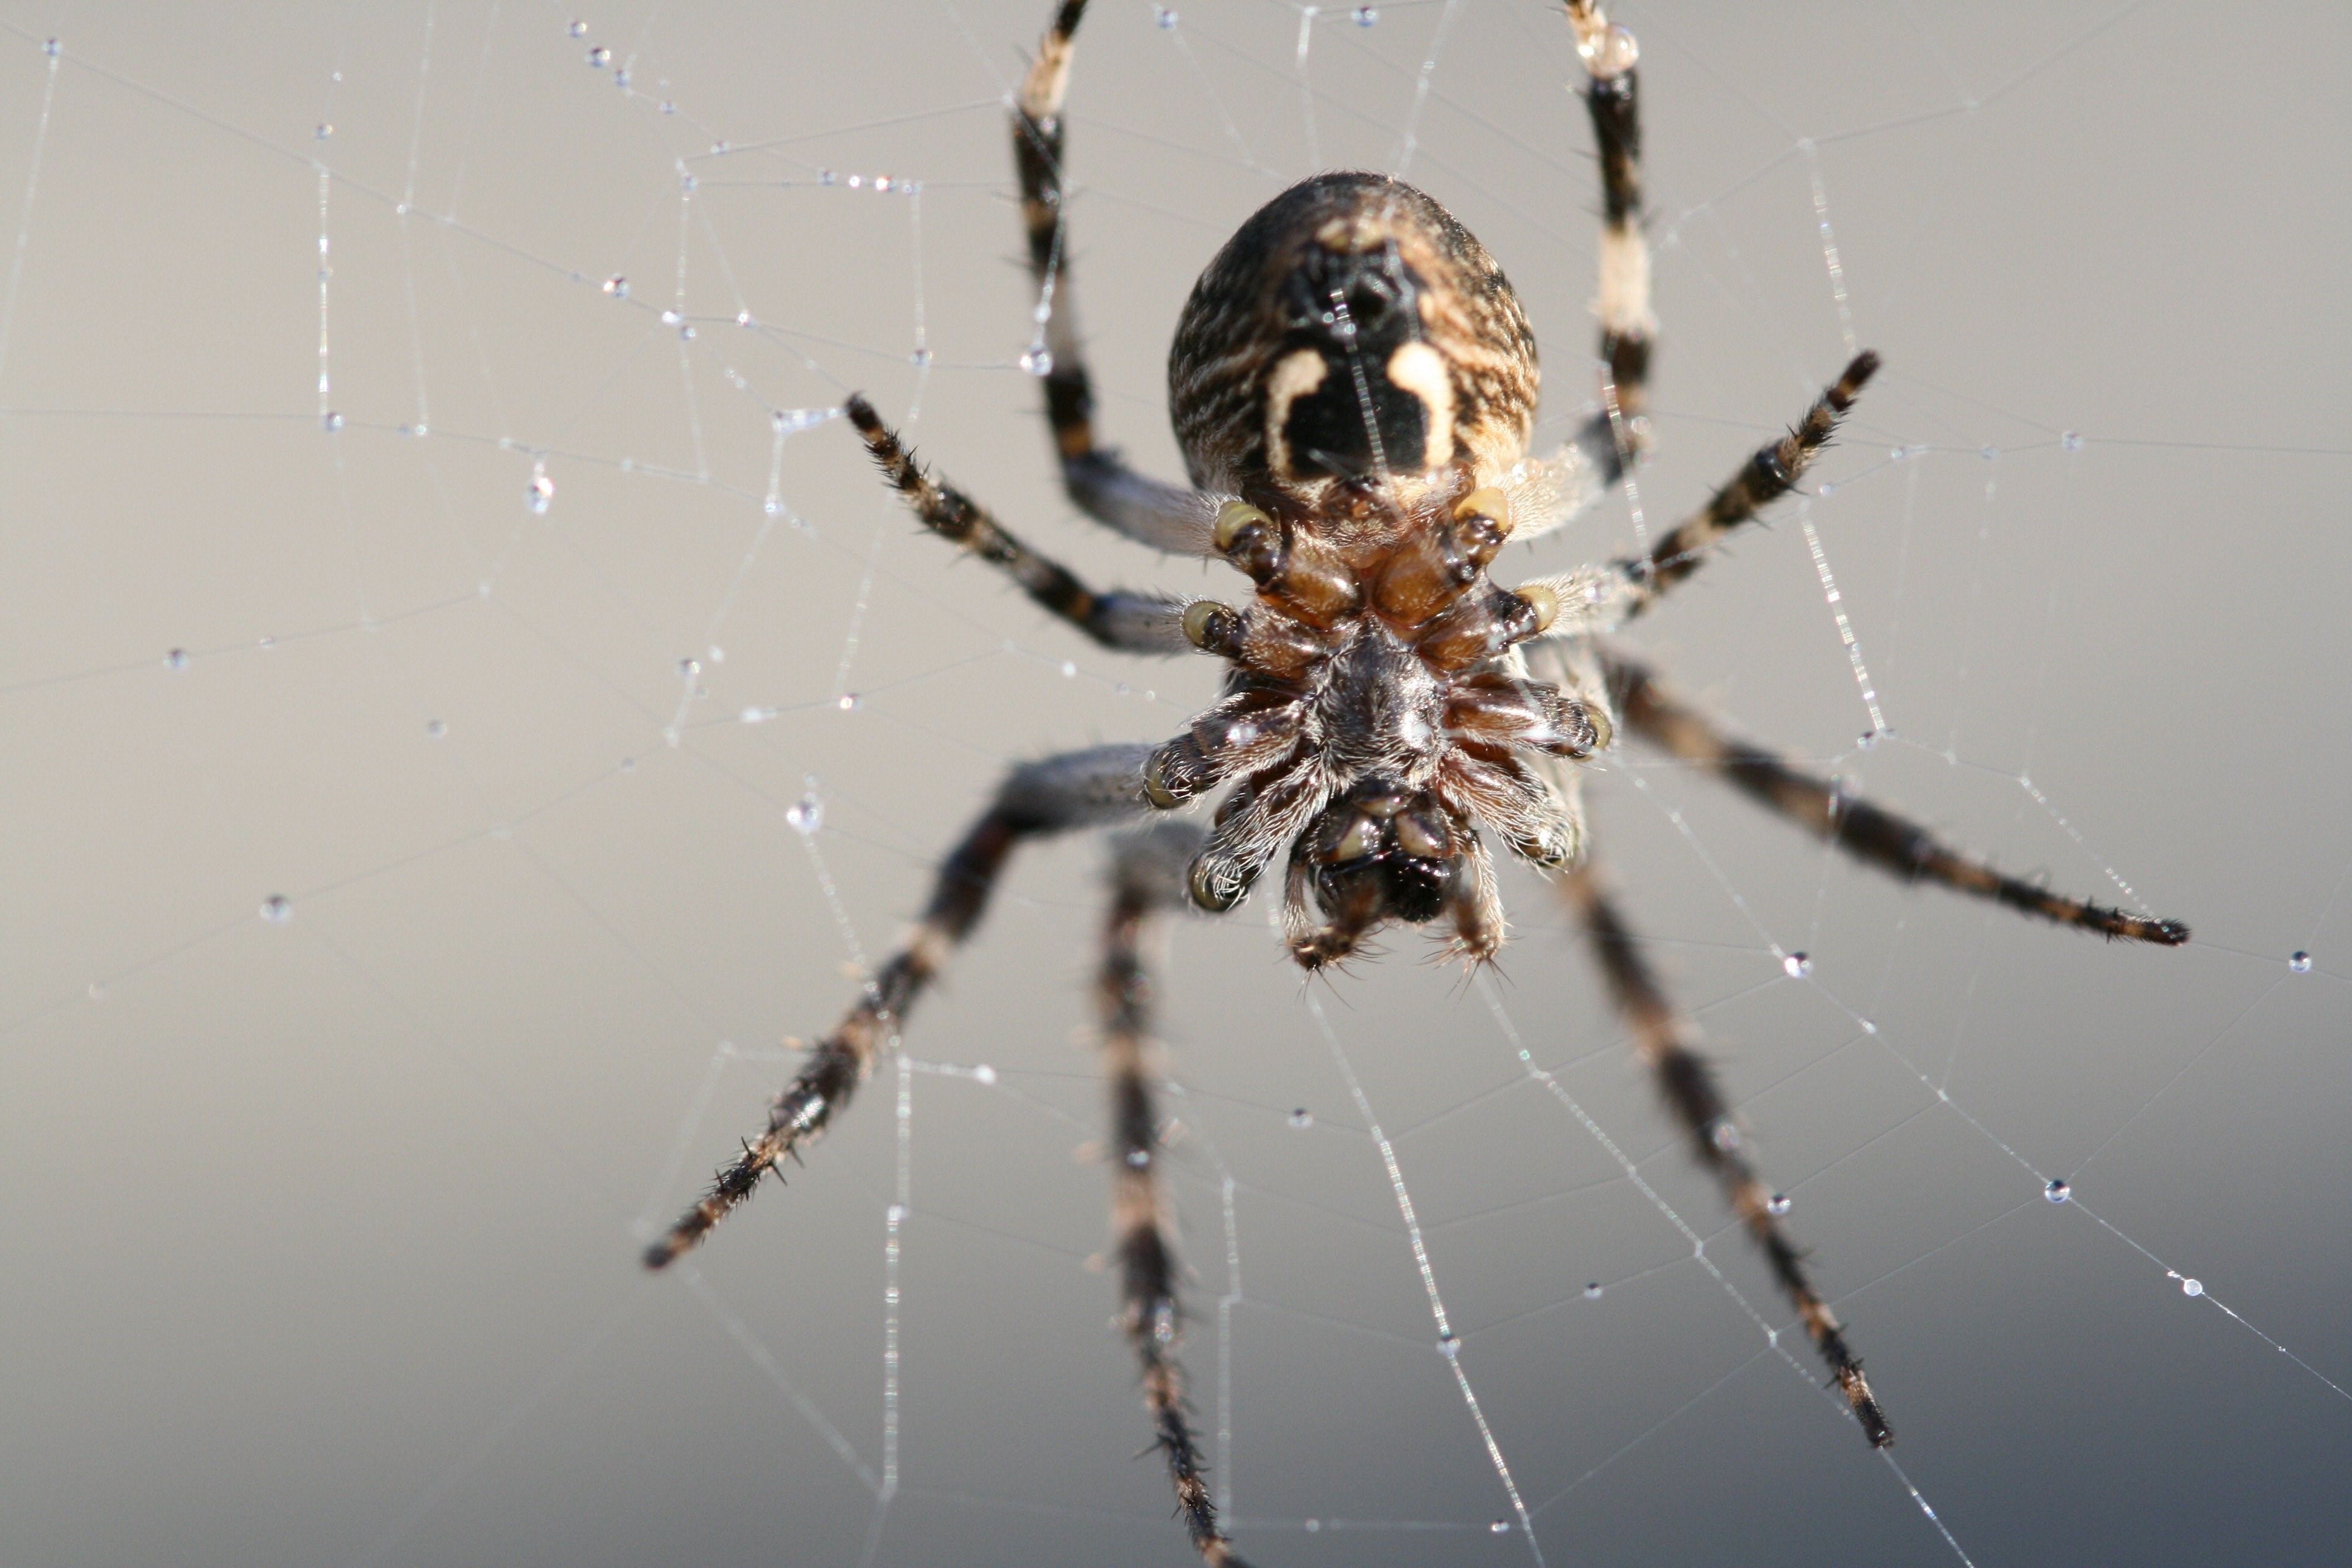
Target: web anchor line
1449,1344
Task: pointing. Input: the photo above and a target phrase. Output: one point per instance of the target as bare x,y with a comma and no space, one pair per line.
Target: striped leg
1131,623
1688,1082
1627,327
1601,598
1148,878
1098,481
1079,789
1562,484
1868,832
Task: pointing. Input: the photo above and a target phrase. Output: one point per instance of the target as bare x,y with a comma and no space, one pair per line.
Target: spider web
426,531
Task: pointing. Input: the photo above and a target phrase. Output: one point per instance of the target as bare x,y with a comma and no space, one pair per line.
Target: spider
1353,384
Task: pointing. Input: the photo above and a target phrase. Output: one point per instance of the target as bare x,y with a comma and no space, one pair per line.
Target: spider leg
1550,492
1101,484
1687,1081
1147,876
1131,623
1870,833
1074,790
1601,598
1621,431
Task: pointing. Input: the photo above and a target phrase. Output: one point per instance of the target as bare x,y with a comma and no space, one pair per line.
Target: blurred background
465,703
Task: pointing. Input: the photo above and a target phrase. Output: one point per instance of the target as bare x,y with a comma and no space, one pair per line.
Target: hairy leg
1131,623
1688,1082
1600,598
1147,876
1870,833
1549,492
1101,484
1076,790
1627,326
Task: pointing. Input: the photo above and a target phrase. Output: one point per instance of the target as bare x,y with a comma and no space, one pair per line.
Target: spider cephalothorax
1375,714
1354,383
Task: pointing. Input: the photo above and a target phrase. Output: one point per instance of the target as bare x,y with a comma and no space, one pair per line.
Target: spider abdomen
1351,332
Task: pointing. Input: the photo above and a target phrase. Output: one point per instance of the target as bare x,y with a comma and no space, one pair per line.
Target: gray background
321,1233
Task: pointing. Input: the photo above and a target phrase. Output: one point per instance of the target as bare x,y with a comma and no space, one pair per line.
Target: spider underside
1354,383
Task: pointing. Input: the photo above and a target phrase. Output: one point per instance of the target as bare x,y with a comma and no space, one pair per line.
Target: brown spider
1354,383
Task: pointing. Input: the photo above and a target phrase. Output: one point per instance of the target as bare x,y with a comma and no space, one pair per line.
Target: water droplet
50,47
323,131
983,1074
920,358
826,177
2071,439
542,491
176,659
2192,1287
743,318
1069,670
1988,453
1312,1526
2299,962
620,79
791,421
1037,360
1593,1291
1449,1345
578,29
266,644
757,715
1364,15
434,729
688,668
599,57
331,420
806,814
1138,1159
2058,1190
98,990
617,286
1797,965
275,909
896,1213
773,506
1302,1118
1866,740
1159,14
1724,1135
671,318
1779,1204
847,702
1499,1527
